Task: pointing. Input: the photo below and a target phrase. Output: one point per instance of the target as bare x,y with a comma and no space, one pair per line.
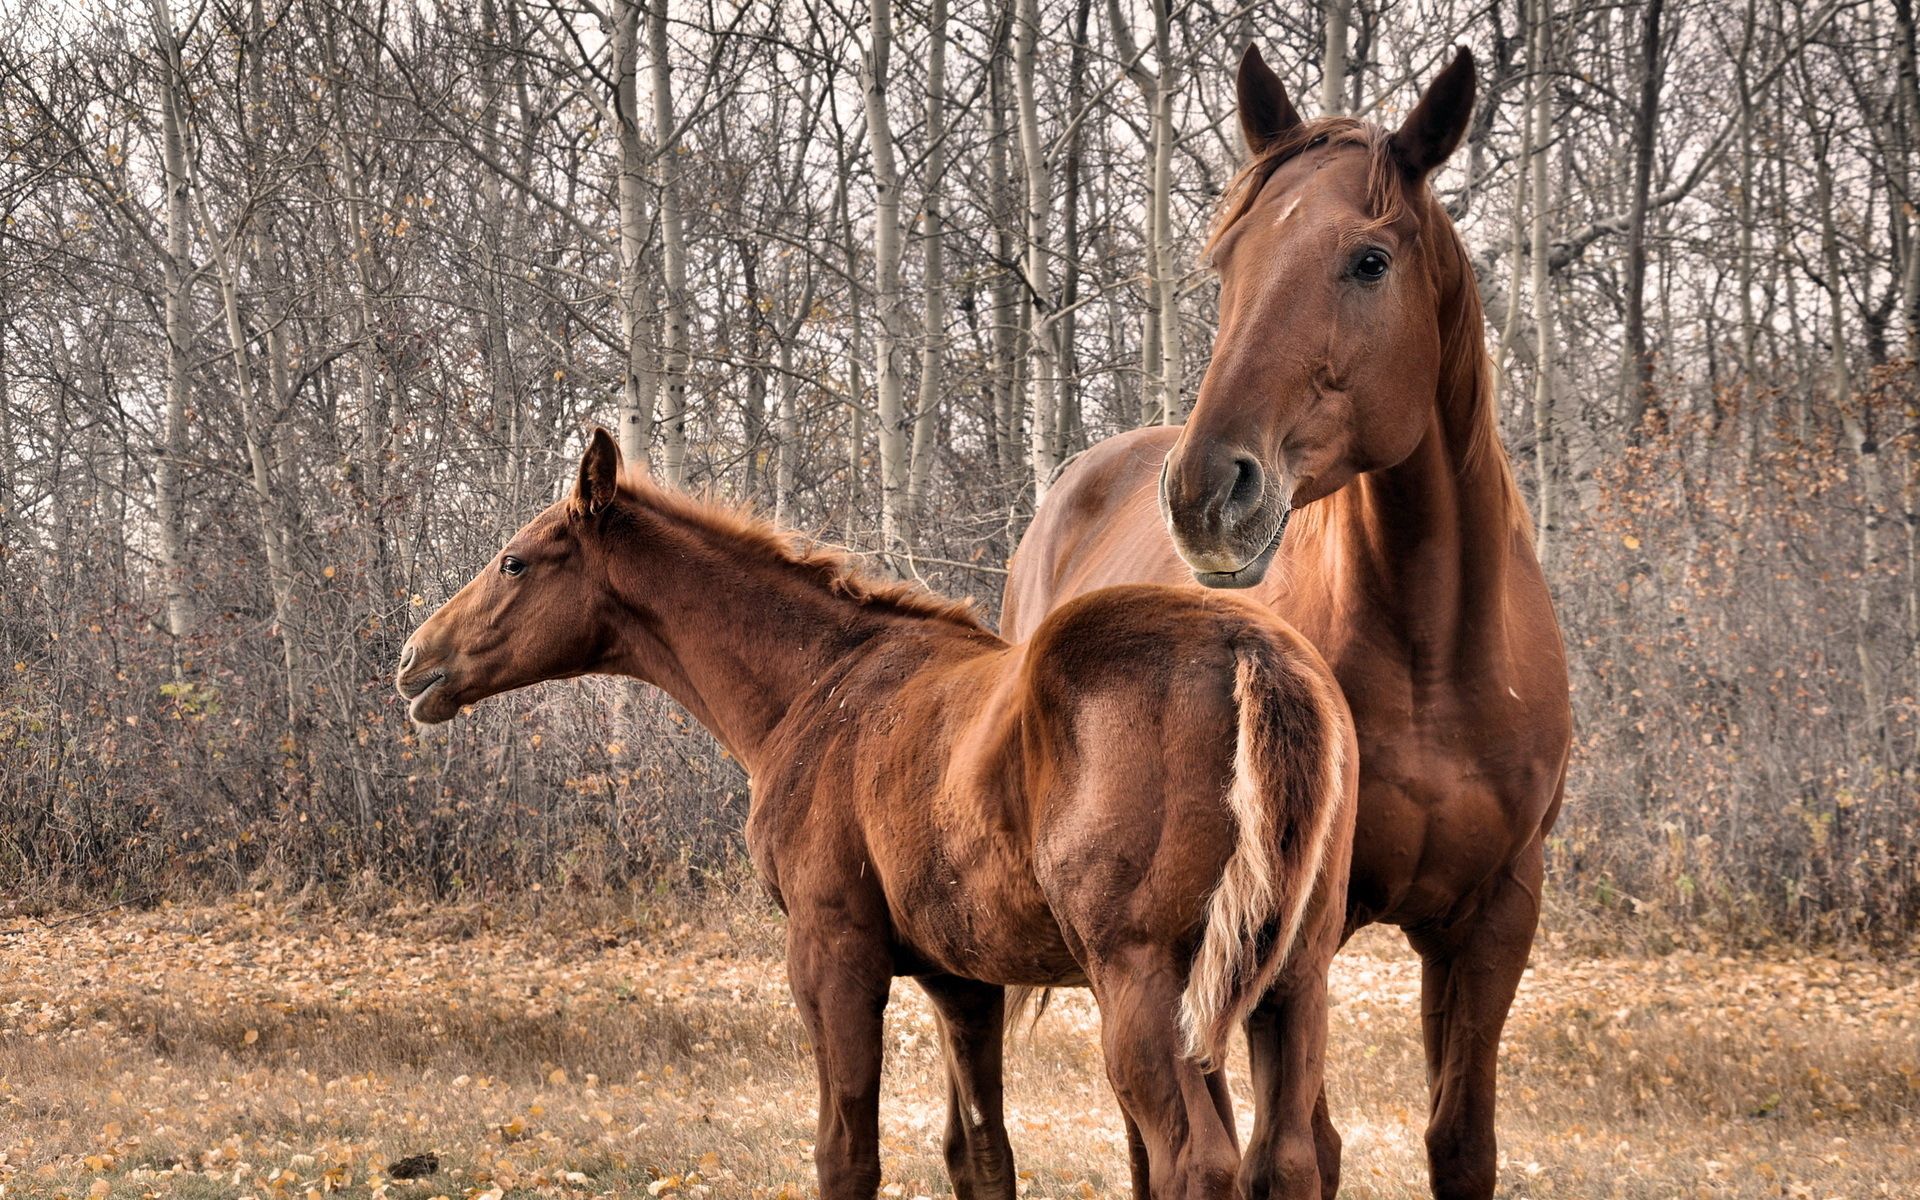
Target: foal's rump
1204,783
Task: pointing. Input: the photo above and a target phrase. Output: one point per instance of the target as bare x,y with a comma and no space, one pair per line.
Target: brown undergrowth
288,1052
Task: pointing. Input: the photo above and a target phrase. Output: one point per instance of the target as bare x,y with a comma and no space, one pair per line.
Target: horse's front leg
972,1017
1469,973
841,971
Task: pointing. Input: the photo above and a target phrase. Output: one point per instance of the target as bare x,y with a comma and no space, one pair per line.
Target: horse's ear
1435,127
1265,112
599,480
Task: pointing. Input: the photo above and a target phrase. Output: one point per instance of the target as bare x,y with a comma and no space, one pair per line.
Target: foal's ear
1435,127
599,479
1265,111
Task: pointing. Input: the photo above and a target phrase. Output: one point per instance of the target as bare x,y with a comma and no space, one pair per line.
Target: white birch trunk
933,306
673,255
632,296
1043,385
889,297
169,502
1333,89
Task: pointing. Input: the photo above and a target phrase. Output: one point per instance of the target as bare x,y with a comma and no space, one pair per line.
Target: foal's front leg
840,974
972,1033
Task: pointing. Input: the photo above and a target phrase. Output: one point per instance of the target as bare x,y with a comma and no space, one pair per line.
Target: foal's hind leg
1469,974
840,982
1137,1146
1169,1102
1294,1153
972,1028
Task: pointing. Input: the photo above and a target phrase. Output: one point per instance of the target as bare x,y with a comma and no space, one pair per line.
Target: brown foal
1345,437
1151,796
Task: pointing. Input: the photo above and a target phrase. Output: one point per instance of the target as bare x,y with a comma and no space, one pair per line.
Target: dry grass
266,1052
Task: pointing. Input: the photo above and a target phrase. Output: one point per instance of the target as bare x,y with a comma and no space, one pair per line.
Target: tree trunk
1856,424
1161,363
933,305
889,297
1007,309
1636,368
673,254
169,498
1545,456
1750,416
1043,354
268,511
1333,78
1172,372
786,448
1071,432
633,296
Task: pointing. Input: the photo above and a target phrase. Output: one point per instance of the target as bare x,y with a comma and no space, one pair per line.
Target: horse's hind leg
1469,974
840,984
972,1019
1189,1149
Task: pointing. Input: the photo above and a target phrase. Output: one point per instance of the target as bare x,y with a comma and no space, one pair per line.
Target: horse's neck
1428,544
737,645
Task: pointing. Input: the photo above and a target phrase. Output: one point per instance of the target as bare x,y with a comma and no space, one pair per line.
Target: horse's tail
1290,787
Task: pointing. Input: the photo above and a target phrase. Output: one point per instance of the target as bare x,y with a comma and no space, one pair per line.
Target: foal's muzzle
423,686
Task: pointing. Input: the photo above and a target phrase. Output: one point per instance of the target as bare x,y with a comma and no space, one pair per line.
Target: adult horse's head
1335,301
539,610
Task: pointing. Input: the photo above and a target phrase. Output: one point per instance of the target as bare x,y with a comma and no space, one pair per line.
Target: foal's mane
1466,372
742,530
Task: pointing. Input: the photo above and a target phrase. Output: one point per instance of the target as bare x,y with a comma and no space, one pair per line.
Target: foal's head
541,609
1332,319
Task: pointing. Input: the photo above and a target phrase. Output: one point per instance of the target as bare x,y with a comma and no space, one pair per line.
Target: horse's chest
1450,793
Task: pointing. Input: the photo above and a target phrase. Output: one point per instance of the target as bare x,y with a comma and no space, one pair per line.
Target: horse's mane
1386,195
737,525
1466,383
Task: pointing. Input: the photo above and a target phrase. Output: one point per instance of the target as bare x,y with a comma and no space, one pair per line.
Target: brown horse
1347,408
1151,796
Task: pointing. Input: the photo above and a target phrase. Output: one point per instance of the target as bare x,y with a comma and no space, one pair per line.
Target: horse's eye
1370,267
511,565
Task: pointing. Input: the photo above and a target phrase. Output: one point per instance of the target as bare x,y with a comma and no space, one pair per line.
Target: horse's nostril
408,653
1246,483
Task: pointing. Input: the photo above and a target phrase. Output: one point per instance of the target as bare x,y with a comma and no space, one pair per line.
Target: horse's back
1086,534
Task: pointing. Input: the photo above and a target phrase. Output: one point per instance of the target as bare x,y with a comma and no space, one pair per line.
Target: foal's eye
1371,266
510,565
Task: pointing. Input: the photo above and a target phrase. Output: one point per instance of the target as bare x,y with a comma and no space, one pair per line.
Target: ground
268,1049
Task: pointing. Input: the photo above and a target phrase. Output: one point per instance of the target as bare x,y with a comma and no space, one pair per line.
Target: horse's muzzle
1249,573
1224,519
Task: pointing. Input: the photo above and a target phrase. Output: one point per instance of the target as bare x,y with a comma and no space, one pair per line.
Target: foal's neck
737,629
